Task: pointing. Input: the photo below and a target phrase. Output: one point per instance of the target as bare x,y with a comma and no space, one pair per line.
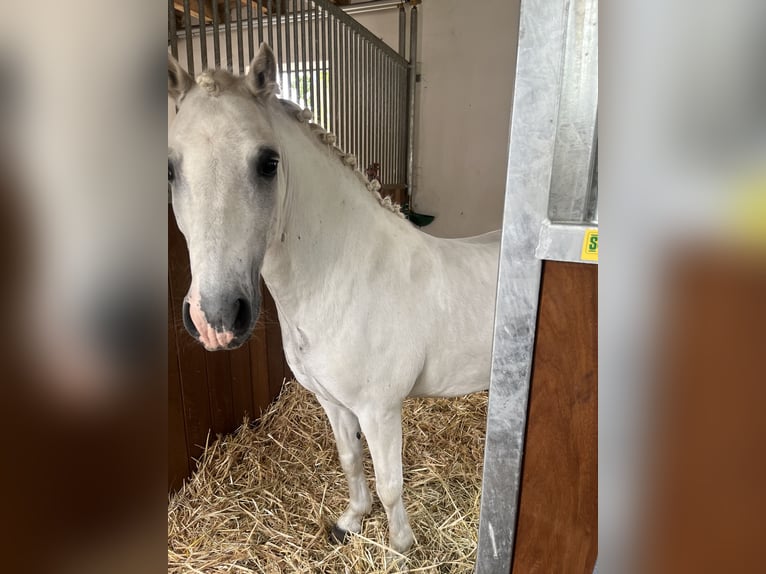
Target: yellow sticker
590,245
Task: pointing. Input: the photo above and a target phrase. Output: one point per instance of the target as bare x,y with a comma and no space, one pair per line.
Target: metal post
240,40
189,45
411,104
173,31
216,38
287,53
279,39
202,35
530,157
312,103
402,30
250,42
270,18
260,22
227,32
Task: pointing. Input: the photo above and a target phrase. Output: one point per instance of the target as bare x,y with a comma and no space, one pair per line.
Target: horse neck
325,222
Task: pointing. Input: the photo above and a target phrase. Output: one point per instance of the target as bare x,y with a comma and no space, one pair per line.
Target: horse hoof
338,535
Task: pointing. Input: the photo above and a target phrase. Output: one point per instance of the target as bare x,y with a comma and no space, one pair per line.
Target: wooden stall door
557,522
210,393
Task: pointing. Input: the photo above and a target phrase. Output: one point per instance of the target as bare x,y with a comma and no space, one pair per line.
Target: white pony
372,310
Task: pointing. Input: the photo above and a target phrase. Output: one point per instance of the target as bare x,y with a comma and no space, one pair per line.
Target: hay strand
264,499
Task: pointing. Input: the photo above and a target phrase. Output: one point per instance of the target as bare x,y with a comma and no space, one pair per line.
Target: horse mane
214,82
305,115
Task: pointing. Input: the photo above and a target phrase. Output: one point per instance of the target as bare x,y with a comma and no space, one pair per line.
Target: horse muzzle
222,322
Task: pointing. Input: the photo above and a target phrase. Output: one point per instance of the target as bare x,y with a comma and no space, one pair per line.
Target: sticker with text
590,245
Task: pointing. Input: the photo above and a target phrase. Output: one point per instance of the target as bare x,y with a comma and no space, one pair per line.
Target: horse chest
305,362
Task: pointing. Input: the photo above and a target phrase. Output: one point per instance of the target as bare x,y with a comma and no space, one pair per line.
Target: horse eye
267,167
171,173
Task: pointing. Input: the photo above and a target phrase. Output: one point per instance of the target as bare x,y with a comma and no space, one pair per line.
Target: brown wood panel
178,453
211,393
557,523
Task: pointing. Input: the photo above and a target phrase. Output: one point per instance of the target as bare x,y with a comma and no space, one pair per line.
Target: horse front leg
383,430
348,437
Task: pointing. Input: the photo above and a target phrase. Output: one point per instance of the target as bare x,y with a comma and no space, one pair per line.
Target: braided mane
304,115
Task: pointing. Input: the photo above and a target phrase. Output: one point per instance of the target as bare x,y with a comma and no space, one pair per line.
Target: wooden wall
558,510
212,392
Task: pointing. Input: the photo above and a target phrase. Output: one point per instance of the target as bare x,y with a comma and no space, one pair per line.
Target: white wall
467,55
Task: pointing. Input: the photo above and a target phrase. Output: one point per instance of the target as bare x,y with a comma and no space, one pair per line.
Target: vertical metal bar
411,103
363,107
173,32
270,16
347,114
389,162
250,42
325,71
530,158
279,40
202,34
216,37
297,53
189,45
335,77
402,29
303,54
240,39
403,124
312,104
260,22
354,94
288,71
317,79
227,32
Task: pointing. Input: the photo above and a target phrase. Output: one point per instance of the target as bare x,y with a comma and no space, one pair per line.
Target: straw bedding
265,498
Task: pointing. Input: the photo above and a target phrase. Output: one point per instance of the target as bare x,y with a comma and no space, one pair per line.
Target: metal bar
312,105
335,77
347,54
240,39
297,54
250,42
216,37
402,30
260,22
573,160
303,54
325,74
349,22
317,79
530,157
270,17
354,94
364,161
411,104
227,23
173,32
562,241
279,40
202,35
287,53
189,45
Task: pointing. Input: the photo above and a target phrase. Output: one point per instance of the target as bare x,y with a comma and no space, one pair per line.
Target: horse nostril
243,316
188,323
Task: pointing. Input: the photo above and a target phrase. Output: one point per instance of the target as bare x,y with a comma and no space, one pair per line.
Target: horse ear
262,78
179,80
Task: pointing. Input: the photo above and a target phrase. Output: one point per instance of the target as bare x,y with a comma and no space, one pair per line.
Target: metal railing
355,84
